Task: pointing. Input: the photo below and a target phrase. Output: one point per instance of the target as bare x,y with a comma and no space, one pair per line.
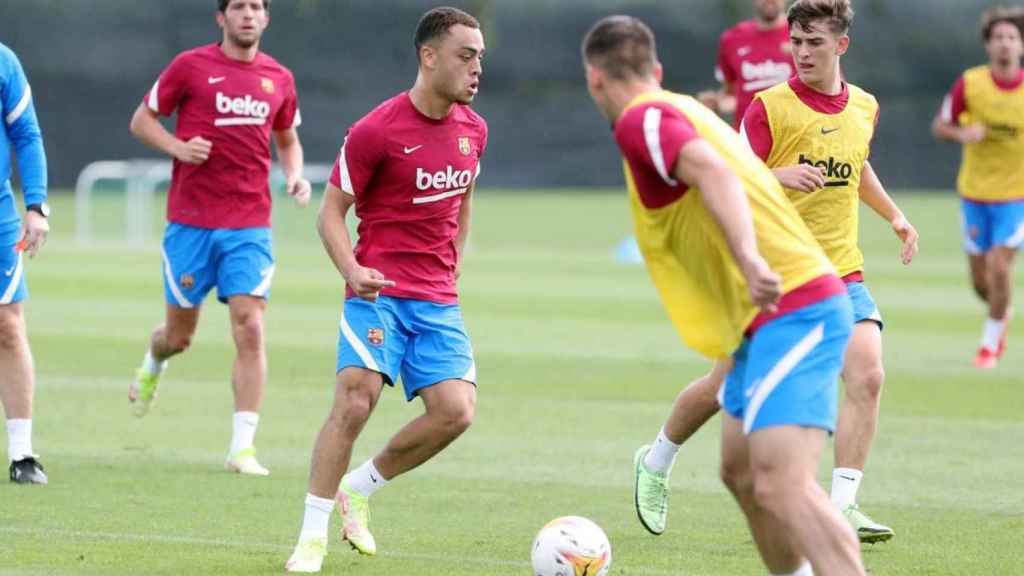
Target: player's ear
659,71
843,44
428,56
220,19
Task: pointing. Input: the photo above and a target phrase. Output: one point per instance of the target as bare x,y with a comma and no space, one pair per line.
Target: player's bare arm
874,195
465,217
970,134
722,193
365,282
801,177
722,101
147,128
291,157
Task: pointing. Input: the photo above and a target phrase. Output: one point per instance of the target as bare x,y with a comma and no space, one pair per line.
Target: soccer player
985,113
21,136
752,55
230,99
742,278
815,132
409,167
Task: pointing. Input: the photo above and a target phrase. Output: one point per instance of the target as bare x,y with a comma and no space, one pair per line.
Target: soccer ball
571,546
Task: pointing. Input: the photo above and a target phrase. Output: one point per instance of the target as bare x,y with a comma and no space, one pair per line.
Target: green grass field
577,366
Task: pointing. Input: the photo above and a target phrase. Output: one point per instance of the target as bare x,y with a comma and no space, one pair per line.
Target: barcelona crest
375,336
187,281
464,145
267,84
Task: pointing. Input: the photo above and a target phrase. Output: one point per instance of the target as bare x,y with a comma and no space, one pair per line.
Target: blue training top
20,132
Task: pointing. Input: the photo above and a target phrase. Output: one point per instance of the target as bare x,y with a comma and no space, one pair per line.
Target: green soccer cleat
355,519
650,494
142,392
244,462
868,531
308,556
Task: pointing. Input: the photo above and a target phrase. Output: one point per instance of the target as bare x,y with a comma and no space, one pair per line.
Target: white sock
845,483
993,333
804,570
366,479
243,430
19,438
151,366
317,517
662,454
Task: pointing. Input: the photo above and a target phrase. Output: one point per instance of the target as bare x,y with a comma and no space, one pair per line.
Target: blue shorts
787,373
236,261
424,342
864,307
987,225
12,276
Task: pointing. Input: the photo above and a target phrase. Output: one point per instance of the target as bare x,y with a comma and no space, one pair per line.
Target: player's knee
736,477
867,384
981,289
772,490
178,342
248,331
458,416
12,331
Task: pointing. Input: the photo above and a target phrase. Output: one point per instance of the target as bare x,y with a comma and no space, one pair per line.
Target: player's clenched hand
972,134
300,189
801,177
33,233
908,235
765,286
708,98
195,151
367,282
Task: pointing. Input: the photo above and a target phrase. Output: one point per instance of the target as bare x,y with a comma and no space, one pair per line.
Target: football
571,546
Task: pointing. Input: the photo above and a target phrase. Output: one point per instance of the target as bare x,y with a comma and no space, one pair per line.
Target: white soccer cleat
308,556
244,462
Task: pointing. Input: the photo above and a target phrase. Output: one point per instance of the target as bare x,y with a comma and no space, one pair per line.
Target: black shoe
28,470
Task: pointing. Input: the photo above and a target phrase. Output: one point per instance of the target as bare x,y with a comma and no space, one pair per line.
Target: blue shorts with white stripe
423,342
235,261
12,276
787,373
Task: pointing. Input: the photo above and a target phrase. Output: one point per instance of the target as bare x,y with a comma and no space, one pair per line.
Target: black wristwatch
42,208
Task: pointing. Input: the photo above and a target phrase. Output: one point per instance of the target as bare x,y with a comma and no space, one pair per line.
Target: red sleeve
170,88
357,162
724,71
954,104
288,116
651,137
756,130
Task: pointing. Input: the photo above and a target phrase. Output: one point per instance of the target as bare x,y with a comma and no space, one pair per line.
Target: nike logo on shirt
825,131
408,150
215,79
9,272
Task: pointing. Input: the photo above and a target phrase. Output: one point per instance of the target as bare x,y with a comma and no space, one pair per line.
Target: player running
752,55
19,136
721,241
409,167
815,132
985,113
230,99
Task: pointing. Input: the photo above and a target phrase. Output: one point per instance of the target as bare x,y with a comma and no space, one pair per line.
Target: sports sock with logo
845,483
662,454
366,479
